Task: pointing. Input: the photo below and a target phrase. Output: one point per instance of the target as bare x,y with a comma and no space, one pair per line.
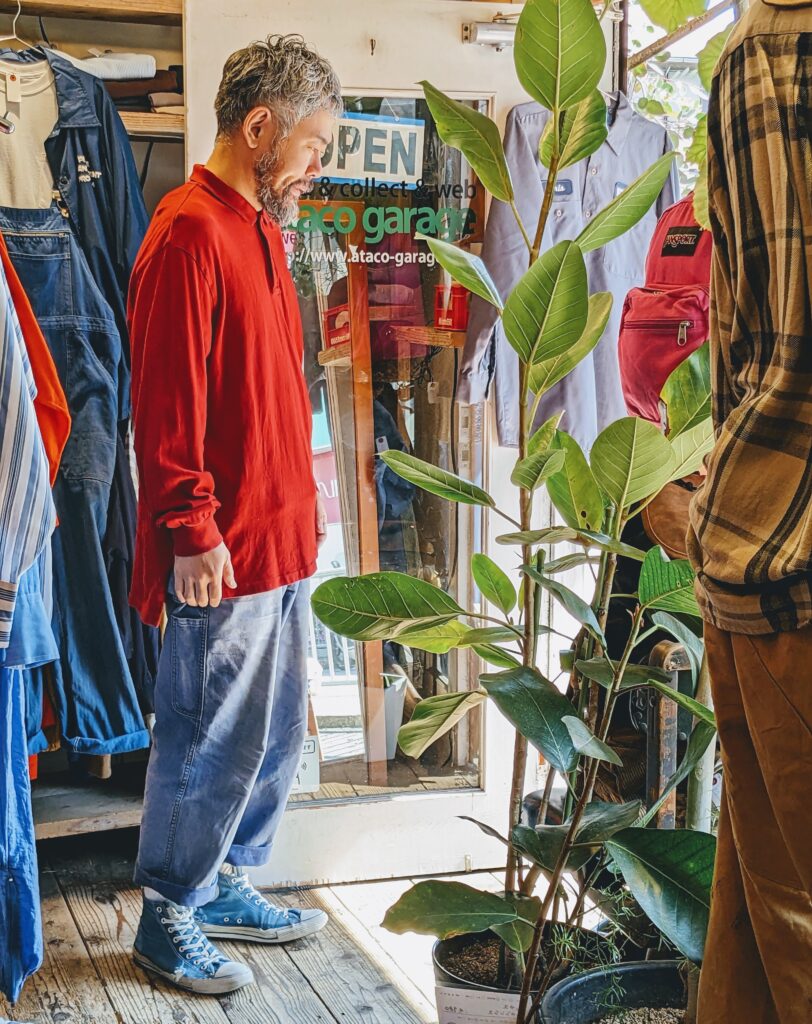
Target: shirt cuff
196,538
8,599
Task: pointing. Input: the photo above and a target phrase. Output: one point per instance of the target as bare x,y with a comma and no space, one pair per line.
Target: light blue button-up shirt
591,396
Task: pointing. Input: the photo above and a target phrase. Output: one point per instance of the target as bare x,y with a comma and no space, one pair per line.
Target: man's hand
321,520
199,578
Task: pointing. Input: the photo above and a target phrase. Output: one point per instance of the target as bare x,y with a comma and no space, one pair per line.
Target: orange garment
50,404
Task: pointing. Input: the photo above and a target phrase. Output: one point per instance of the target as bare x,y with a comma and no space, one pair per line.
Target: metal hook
372,44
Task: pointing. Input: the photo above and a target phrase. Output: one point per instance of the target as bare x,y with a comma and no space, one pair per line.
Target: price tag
474,1006
14,92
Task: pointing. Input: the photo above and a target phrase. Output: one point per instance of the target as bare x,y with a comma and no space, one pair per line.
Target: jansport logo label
681,241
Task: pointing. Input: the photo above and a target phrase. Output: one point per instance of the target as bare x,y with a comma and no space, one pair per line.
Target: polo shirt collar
73,96
226,194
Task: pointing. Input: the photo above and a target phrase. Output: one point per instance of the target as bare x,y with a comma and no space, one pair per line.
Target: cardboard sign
367,146
475,1006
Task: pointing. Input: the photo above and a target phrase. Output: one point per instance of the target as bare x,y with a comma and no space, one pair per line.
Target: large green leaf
575,605
687,393
546,373
542,439
380,605
672,14
709,56
574,491
690,449
631,460
434,717
476,136
702,198
670,873
583,132
600,821
698,710
682,634
628,208
532,471
436,481
496,656
438,639
603,671
588,744
518,934
702,736
560,51
464,267
446,909
490,635
494,583
546,312
698,150
537,709
667,585
567,534
566,563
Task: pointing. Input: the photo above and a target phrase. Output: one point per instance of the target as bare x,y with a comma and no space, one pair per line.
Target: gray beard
281,205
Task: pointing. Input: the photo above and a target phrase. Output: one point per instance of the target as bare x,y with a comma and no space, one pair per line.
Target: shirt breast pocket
625,256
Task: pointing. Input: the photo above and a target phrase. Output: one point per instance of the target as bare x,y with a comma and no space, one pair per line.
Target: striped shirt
751,524
27,513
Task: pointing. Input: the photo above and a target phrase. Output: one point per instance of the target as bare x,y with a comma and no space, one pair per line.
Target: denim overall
98,706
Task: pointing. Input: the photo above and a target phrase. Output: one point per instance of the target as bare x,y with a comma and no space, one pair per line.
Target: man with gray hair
227,499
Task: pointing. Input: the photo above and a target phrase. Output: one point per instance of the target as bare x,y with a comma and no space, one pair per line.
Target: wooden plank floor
353,972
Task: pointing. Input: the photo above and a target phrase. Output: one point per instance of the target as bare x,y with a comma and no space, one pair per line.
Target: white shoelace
189,939
243,885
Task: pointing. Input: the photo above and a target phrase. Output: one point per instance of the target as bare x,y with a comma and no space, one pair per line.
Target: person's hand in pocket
199,579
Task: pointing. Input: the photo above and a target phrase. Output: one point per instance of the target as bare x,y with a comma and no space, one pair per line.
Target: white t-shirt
28,99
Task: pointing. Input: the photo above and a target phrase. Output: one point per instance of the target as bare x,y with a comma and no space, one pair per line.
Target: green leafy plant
552,322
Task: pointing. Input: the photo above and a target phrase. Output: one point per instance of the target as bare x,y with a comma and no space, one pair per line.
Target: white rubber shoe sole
272,936
202,986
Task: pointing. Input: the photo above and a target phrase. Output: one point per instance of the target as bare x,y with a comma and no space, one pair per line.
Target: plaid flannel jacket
750,537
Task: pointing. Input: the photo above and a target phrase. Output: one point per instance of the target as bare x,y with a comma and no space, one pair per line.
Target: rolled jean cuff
180,894
248,856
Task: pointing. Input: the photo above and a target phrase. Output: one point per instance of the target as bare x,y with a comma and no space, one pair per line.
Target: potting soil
645,1016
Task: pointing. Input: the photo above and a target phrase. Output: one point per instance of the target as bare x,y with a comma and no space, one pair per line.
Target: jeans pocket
188,652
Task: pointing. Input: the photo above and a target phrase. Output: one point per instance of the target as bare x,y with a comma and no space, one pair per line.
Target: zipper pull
682,337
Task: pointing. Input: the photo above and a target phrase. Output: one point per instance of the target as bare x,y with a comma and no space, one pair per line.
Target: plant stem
528,644
569,842
547,202
525,236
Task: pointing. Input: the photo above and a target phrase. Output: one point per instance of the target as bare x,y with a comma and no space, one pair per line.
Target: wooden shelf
66,808
338,355
149,12
154,126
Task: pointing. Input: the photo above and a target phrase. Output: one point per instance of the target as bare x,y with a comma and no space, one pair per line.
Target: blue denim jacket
94,172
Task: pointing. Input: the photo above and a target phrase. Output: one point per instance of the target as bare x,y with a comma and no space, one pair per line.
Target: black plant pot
582,999
444,975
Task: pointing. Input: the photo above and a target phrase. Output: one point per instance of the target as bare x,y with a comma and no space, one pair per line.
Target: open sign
372,146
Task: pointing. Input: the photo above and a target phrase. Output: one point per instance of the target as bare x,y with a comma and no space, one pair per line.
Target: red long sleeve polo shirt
222,419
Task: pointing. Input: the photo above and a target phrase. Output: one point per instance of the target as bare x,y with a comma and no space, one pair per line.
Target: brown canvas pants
758,957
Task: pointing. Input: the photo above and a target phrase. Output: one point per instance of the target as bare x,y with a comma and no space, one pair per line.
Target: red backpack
667,319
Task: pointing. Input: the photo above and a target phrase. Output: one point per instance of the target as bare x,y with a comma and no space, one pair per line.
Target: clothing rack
62,807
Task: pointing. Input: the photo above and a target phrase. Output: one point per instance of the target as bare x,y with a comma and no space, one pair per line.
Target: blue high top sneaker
241,913
170,944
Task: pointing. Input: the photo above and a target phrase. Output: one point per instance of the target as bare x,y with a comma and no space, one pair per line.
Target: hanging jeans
20,924
98,706
230,721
